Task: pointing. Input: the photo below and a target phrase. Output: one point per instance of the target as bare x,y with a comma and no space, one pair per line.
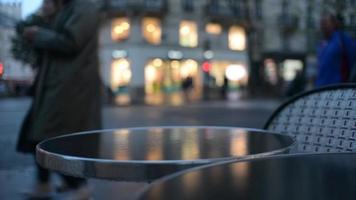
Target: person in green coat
67,97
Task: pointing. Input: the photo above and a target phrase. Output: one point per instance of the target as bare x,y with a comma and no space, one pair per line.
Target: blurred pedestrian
335,53
224,88
187,86
353,70
297,85
67,97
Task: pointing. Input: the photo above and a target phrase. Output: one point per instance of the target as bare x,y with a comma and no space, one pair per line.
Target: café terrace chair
321,120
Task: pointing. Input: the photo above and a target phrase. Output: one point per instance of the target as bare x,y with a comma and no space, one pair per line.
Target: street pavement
16,170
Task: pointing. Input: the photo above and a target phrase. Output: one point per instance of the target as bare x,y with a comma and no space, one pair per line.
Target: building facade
14,74
173,51
291,34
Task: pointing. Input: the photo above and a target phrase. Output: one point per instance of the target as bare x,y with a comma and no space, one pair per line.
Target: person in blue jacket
336,53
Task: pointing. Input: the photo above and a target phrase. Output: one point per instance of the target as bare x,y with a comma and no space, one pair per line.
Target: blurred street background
173,51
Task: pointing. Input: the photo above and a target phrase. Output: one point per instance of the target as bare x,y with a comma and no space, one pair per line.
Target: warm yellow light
235,72
175,64
120,73
120,29
184,71
121,64
151,28
157,62
192,64
150,73
188,68
213,28
188,33
125,25
290,69
237,38
185,30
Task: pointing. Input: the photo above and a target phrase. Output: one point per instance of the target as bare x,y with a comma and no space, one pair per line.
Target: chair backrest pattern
323,120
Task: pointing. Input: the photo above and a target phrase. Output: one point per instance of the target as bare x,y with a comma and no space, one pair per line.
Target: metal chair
321,120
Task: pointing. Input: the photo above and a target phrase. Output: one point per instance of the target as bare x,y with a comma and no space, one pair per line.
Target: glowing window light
152,31
188,68
213,28
270,70
237,38
120,73
291,68
157,62
150,73
188,34
120,29
235,72
175,64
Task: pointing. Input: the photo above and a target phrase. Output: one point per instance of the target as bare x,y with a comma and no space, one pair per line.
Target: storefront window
120,75
271,71
165,81
188,34
291,68
151,28
153,76
188,68
237,38
213,28
236,73
120,29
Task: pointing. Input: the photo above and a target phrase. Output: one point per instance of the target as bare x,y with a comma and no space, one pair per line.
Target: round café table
307,177
145,154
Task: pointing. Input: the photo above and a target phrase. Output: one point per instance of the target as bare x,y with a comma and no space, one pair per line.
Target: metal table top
145,154
318,176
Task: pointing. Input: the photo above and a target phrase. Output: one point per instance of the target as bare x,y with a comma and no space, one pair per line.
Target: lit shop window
236,72
291,68
152,31
120,74
237,38
271,71
120,29
188,34
188,68
213,28
154,71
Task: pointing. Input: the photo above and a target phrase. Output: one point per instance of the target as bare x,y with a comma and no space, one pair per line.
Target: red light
206,66
1,69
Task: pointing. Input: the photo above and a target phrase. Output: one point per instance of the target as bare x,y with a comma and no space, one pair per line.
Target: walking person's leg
42,187
71,182
43,175
74,188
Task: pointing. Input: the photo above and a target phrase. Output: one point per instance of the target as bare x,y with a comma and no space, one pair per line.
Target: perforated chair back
321,120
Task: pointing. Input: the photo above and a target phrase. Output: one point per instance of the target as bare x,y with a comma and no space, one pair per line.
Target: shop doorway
225,79
172,81
120,78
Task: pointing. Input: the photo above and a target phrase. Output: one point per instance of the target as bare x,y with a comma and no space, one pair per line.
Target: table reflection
167,143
